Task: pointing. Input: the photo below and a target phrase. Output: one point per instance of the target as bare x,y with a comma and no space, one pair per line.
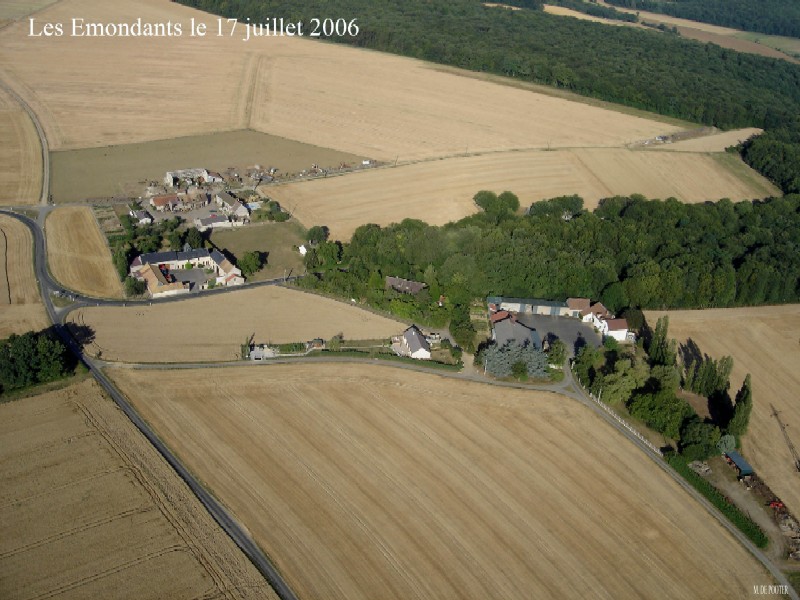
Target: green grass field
277,240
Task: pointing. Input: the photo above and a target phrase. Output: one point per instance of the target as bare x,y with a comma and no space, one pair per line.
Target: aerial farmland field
78,253
20,155
347,99
765,342
366,481
441,191
213,328
21,308
123,170
88,509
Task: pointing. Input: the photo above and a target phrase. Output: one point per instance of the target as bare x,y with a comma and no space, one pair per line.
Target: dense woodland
629,252
776,17
32,358
644,69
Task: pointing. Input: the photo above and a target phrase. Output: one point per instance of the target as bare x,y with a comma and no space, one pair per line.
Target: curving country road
568,387
47,285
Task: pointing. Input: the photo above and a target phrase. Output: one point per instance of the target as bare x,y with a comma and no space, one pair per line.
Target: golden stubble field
366,481
88,509
765,342
20,155
213,328
441,191
123,90
21,307
78,253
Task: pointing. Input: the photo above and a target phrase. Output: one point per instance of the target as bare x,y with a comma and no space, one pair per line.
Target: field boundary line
44,197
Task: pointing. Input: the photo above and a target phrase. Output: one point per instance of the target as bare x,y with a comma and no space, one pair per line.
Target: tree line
669,75
774,17
646,381
32,358
628,252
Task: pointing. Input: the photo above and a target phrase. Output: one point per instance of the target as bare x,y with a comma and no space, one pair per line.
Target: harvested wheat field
329,95
366,481
765,342
441,191
20,155
21,307
88,509
78,253
213,328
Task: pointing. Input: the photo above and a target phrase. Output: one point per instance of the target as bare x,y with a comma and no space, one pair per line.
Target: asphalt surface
47,285
568,387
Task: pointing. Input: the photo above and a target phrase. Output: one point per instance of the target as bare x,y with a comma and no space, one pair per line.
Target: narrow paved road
215,509
568,387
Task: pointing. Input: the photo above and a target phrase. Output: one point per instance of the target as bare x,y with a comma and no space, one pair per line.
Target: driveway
570,331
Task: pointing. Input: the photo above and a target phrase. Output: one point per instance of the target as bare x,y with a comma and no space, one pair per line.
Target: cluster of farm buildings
593,313
173,273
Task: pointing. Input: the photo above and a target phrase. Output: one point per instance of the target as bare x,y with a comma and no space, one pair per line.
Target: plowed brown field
368,481
765,342
88,509
78,253
213,328
21,308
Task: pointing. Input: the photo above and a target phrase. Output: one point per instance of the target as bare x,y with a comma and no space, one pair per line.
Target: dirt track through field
370,482
213,328
441,191
765,342
89,510
21,309
78,253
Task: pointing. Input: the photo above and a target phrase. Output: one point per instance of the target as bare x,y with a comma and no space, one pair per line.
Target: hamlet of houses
173,273
584,309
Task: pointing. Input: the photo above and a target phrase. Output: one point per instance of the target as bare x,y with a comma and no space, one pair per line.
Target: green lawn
275,239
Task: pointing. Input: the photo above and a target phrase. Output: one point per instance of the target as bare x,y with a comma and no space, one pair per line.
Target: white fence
622,421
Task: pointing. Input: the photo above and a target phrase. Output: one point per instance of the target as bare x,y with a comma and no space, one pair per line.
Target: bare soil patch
765,342
357,101
365,481
78,253
124,170
716,142
88,509
213,328
441,191
21,308
20,155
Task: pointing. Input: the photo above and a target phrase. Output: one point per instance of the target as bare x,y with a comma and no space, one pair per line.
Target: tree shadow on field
689,353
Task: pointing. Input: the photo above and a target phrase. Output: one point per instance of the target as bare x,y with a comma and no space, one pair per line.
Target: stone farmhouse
172,273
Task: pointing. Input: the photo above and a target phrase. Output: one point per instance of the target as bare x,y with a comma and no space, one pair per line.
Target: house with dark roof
508,330
212,222
404,286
